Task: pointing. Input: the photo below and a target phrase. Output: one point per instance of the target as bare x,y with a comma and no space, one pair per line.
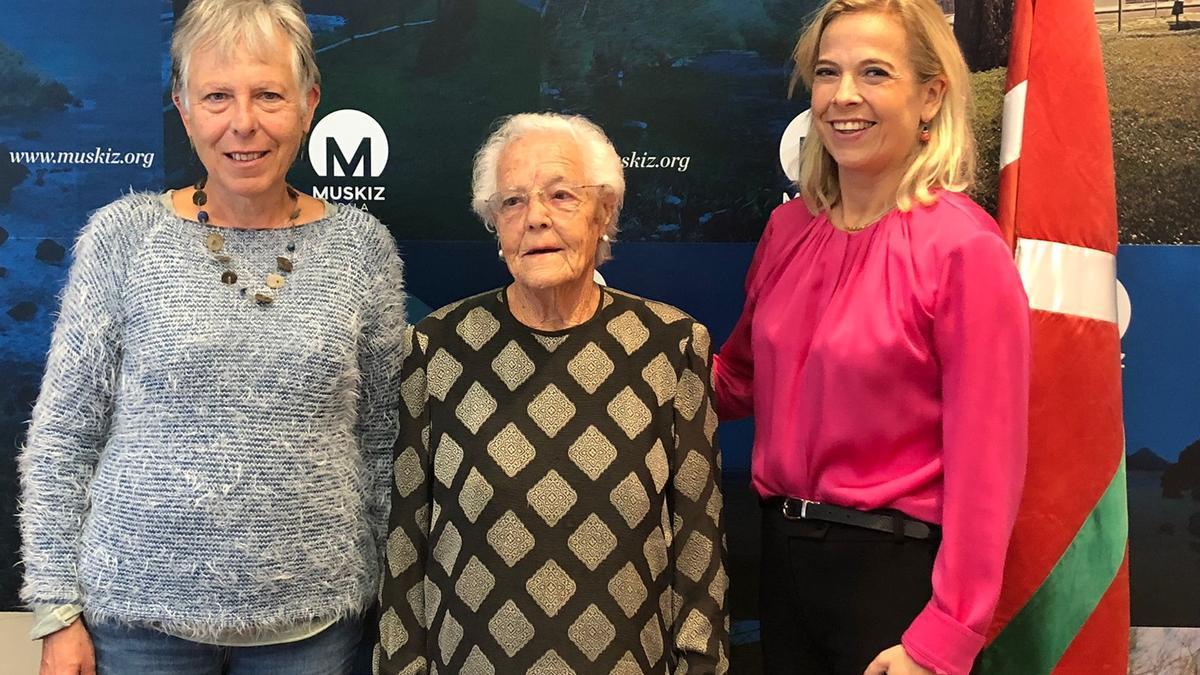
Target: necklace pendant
214,242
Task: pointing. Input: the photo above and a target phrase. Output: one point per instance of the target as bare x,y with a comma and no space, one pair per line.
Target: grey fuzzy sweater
198,462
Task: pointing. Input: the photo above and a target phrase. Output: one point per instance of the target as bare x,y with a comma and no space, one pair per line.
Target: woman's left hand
895,661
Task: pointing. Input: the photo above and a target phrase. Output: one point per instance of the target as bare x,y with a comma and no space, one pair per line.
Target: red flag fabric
1064,607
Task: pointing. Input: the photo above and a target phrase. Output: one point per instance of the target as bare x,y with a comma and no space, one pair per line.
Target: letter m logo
359,163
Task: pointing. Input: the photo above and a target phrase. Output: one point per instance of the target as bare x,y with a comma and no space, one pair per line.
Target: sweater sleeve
48,619
379,367
733,366
981,338
71,418
403,620
698,590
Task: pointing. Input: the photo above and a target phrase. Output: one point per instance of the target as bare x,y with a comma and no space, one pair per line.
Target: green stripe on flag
1037,637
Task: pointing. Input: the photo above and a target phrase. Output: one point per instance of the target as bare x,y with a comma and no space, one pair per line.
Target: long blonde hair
947,161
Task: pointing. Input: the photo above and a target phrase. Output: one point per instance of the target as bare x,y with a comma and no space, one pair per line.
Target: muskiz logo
789,147
348,144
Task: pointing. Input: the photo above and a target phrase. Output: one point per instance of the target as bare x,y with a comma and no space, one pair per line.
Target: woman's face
246,117
548,220
867,103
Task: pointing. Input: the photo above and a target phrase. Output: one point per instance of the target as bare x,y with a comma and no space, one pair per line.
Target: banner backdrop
694,95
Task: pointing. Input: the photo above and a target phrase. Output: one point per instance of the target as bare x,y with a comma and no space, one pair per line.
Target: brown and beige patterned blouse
556,506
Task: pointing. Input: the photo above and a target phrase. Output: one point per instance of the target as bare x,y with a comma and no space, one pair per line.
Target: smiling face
246,117
547,244
867,101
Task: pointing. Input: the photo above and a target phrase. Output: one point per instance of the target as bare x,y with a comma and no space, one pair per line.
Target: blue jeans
133,650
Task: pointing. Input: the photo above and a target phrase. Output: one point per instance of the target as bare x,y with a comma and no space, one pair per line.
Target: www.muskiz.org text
96,156
641,160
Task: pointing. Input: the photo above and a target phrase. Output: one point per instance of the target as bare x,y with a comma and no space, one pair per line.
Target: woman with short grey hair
557,498
204,483
603,166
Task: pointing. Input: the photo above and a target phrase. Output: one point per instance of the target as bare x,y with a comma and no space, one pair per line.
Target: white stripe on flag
1013,124
1068,279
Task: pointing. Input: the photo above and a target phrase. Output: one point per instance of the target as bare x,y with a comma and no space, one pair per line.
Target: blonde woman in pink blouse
884,353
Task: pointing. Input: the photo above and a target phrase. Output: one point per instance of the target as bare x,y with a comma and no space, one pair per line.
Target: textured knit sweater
201,463
557,501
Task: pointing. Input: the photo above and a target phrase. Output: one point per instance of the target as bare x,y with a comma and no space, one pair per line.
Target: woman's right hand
68,652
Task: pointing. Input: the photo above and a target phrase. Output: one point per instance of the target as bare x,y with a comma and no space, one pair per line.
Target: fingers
49,665
68,651
89,655
879,666
60,668
883,662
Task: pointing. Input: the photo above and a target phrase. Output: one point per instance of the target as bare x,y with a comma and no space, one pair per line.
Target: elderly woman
206,474
884,353
556,505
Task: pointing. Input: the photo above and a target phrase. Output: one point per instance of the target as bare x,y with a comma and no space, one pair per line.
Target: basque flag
1064,607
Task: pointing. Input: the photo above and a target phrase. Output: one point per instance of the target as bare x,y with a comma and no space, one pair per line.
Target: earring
303,147
500,253
605,238
924,132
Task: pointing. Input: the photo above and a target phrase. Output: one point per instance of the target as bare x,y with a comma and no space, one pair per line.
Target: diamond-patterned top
567,517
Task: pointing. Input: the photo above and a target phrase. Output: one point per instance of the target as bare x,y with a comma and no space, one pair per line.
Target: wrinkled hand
68,652
895,661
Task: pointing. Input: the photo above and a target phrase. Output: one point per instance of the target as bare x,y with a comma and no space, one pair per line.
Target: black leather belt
803,509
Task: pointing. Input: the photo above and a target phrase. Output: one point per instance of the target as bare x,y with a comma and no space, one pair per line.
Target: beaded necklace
215,243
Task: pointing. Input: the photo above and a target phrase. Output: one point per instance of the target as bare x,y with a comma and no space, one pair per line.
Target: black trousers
834,596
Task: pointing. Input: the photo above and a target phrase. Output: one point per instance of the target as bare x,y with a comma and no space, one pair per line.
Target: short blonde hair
251,24
947,161
600,157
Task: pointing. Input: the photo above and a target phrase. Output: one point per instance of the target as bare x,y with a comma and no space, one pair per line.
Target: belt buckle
804,504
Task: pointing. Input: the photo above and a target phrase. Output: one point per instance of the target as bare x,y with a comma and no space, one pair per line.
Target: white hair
603,164
250,24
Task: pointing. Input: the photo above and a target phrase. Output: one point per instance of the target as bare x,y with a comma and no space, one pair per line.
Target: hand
895,661
68,652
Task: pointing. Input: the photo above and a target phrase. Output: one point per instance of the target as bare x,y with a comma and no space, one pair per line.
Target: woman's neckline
167,201
502,296
871,225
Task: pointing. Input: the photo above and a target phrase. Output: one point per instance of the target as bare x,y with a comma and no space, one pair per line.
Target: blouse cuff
49,619
940,643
